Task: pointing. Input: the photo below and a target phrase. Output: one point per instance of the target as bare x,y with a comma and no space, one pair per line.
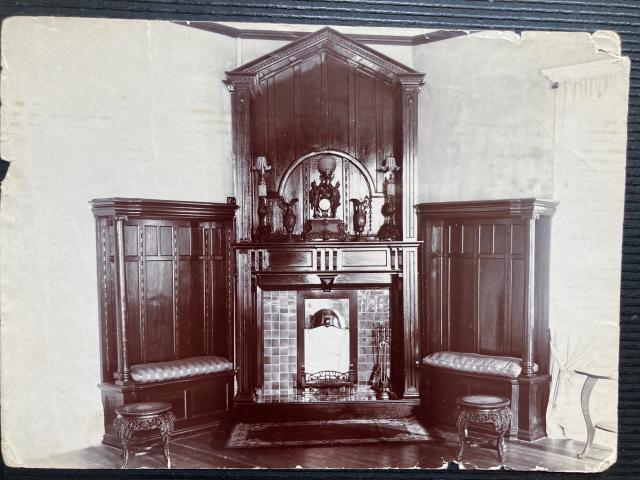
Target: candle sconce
262,232
389,229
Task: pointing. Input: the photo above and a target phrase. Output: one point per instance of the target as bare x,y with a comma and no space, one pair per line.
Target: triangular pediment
329,41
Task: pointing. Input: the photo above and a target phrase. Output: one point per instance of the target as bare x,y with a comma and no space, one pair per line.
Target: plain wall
90,108
492,127
590,132
99,108
487,114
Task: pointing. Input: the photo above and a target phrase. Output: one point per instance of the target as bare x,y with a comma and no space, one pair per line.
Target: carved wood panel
175,300
324,103
485,278
175,286
323,92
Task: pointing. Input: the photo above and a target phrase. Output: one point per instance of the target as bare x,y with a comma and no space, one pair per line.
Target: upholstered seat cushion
186,367
482,401
474,363
142,409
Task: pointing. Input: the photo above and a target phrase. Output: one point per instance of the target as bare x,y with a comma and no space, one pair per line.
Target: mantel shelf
321,244
326,256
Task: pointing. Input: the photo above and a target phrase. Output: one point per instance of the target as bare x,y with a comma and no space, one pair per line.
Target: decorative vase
262,232
359,216
288,217
389,230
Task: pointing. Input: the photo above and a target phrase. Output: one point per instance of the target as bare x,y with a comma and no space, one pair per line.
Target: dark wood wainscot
484,282
165,288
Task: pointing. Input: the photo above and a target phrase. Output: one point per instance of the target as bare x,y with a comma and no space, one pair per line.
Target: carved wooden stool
482,409
144,416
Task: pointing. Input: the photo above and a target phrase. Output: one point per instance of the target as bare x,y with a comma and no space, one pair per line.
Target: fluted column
245,329
530,314
241,131
123,374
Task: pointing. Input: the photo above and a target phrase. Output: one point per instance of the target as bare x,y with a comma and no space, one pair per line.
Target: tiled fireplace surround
280,337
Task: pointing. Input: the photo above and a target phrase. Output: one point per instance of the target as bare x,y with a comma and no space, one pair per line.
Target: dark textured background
622,16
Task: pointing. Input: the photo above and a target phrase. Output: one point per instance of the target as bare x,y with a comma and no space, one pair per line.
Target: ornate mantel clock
324,200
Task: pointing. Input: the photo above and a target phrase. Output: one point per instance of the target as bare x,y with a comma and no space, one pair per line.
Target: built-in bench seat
176,369
447,375
199,389
509,367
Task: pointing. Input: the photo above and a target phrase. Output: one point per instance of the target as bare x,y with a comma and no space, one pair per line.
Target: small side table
585,396
144,416
483,409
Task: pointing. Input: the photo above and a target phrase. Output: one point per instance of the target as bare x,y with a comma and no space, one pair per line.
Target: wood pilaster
530,312
410,87
122,375
242,161
246,328
410,316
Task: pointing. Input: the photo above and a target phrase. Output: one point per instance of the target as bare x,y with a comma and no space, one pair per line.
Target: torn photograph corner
234,245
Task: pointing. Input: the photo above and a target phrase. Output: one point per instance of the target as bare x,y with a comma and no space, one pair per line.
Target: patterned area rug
329,432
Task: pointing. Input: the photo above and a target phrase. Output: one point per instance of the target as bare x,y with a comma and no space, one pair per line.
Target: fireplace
284,352
324,136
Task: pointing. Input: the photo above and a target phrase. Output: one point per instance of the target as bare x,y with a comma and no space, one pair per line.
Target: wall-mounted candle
261,163
261,167
391,163
391,188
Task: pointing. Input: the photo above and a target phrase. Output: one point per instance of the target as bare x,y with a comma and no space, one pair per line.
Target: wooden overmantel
325,94
260,106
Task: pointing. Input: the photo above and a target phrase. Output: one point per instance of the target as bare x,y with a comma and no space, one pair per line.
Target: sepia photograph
234,245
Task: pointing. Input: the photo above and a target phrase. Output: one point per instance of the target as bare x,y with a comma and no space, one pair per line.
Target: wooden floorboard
207,451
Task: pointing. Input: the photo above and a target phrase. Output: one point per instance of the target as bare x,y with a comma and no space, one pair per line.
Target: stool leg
124,434
165,446
461,424
503,422
500,446
125,454
127,433
166,429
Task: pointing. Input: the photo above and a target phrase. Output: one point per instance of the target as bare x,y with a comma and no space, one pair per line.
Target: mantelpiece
327,257
325,118
327,267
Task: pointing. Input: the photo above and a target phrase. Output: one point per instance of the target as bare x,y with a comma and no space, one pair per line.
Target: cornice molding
324,41
518,207
289,35
148,208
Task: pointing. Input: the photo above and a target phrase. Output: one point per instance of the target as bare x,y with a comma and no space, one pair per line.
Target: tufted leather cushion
187,367
474,363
